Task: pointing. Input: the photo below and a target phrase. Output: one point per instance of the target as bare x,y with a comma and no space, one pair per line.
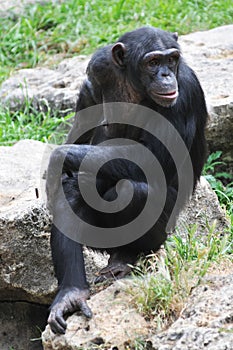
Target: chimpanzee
144,68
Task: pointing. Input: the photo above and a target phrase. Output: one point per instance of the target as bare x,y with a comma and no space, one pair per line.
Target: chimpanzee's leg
67,159
123,256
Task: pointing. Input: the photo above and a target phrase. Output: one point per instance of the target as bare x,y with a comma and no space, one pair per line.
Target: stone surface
114,324
27,272
15,5
203,209
26,269
57,88
206,321
210,54
27,282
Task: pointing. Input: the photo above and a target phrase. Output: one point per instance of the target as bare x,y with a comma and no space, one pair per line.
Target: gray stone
15,5
26,265
46,88
206,321
204,211
26,268
210,54
27,282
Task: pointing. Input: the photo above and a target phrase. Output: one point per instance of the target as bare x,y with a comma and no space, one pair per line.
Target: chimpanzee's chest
115,130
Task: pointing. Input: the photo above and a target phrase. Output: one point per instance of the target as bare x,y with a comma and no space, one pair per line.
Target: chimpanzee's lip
168,95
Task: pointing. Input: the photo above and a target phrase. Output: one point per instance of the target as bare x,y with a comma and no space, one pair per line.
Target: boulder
205,322
209,53
15,6
44,87
26,272
27,282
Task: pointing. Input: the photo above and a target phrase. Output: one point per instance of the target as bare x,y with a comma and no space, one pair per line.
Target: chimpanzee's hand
67,301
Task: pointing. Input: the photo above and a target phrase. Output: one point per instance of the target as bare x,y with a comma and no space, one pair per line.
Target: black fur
120,72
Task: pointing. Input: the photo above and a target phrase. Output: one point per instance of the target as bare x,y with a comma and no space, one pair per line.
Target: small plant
163,281
216,178
29,123
139,344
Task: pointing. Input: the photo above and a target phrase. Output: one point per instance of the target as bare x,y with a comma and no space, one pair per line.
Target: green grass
163,281
29,123
217,180
77,26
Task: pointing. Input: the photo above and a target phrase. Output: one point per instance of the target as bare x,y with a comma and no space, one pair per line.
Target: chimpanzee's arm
86,99
73,287
67,159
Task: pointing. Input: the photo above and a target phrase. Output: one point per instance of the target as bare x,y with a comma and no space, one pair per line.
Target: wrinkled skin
69,301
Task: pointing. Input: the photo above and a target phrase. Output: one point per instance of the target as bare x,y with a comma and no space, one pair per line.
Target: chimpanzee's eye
154,62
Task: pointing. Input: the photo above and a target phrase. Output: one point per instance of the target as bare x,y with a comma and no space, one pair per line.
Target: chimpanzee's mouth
167,95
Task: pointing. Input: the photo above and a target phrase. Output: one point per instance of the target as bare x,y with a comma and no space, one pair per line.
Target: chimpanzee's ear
118,54
175,36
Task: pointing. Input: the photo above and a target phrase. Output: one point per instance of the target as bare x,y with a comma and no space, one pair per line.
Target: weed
163,281
29,123
215,178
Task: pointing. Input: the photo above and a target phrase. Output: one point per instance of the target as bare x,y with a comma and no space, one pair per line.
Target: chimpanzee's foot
68,301
117,265
114,270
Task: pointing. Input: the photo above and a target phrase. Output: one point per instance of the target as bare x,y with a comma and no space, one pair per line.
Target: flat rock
14,5
26,272
206,321
210,54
